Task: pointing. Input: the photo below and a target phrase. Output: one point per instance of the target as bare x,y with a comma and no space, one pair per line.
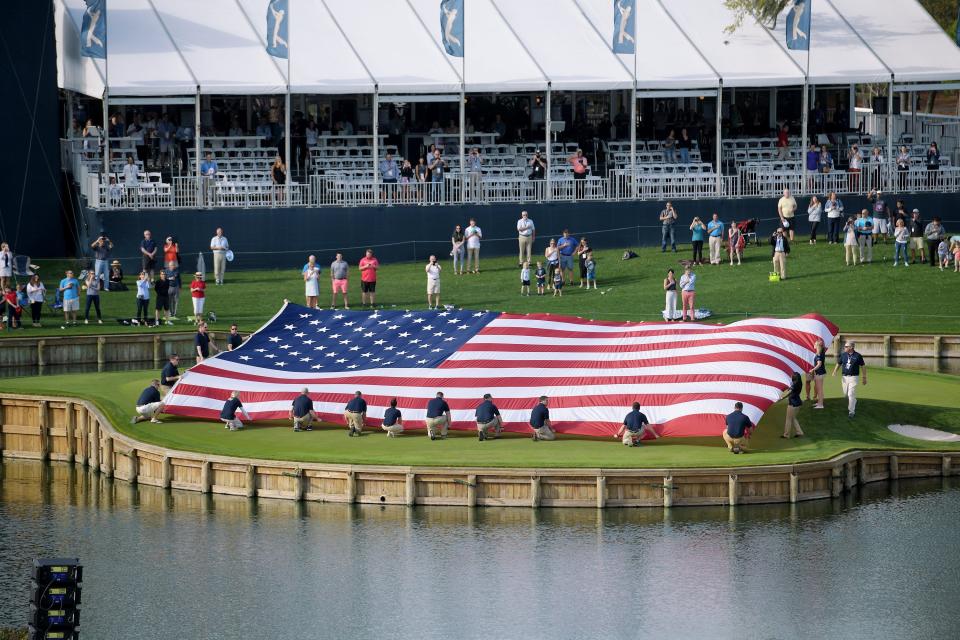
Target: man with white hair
527,233
228,415
852,363
302,413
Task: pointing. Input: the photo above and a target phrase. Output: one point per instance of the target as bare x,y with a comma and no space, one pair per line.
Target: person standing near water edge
793,406
852,363
817,372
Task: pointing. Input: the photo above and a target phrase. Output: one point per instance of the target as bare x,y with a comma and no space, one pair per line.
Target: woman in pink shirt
580,169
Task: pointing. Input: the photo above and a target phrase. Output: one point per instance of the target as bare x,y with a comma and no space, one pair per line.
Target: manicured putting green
892,396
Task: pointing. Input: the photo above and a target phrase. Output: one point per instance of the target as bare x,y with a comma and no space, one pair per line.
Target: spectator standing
278,176
850,242
162,289
817,372
219,245
864,227
92,283
735,244
165,132
473,234
684,144
170,374
933,233
737,430
825,161
437,167
783,143
881,215
853,366
173,278
101,259
933,157
688,293
813,163
814,213
698,232
668,218
433,283
541,276
558,282
779,250
355,415
202,343
583,250
715,231
234,339
143,297
208,177
787,210
538,166
389,174
903,167
198,295
635,424
552,255
794,402
339,272
148,253
901,237
590,265
581,168
670,294
944,254
567,245
489,423
457,250
36,293
302,413
917,238
392,420
368,277
854,163
131,180
407,177
527,234
149,405
13,308
475,174
6,265
171,252
834,210
438,417
70,296
540,421
525,279
228,415
669,147
311,279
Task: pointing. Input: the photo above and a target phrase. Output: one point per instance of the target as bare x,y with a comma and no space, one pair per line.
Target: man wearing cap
635,424
101,254
916,226
355,414
526,234
438,417
489,424
219,246
302,413
853,366
149,405
540,421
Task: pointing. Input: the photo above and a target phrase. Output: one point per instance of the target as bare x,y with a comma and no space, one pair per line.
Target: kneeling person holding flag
228,415
301,412
489,424
635,424
149,405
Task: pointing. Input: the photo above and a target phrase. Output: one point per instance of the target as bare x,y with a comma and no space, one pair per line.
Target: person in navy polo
170,374
853,366
392,420
148,404
737,431
540,421
202,343
234,339
228,415
355,414
635,424
489,424
438,417
302,413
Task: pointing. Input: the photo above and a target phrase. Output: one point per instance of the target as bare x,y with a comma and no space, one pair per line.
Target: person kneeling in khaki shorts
355,414
489,424
438,417
392,420
540,421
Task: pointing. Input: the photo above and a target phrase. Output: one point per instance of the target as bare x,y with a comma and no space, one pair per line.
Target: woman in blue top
816,373
793,406
698,230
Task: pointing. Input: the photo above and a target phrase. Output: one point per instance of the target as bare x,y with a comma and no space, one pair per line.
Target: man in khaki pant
219,246
526,234
438,417
355,414
540,421
780,249
489,423
853,366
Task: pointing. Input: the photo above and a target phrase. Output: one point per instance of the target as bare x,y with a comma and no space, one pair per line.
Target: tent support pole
376,144
286,146
804,133
890,130
546,128
852,108
106,133
718,160
463,142
633,141
69,115
197,142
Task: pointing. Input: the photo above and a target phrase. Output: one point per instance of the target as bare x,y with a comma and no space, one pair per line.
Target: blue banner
624,26
93,31
798,26
451,26
278,31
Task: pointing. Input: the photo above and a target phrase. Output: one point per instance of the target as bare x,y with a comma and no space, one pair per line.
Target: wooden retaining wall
74,431
146,347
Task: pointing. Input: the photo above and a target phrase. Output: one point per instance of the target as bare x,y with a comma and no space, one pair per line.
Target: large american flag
685,376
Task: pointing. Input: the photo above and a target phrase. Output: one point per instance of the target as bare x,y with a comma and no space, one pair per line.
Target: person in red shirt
198,295
783,143
368,277
13,309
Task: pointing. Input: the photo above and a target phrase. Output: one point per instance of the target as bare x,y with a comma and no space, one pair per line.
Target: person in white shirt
473,234
433,283
131,180
219,246
527,233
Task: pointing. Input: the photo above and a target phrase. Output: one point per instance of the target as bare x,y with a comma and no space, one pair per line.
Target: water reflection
183,564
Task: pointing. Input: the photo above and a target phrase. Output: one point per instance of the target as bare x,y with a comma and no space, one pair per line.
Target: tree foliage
766,12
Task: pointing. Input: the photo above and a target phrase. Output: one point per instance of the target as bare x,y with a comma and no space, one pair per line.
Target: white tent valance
177,47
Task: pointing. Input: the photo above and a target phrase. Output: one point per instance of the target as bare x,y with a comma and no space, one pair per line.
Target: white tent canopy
179,47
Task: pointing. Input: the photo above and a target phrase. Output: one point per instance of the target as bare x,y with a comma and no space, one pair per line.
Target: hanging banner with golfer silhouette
278,19
798,26
624,26
93,31
451,26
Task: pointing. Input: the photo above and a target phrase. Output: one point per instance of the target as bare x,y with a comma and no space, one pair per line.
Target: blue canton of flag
308,340
624,26
451,26
93,30
278,20
798,26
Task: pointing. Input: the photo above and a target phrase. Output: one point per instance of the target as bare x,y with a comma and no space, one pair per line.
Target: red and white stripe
686,377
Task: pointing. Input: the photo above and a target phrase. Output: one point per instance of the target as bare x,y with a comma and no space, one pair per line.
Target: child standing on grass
591,267
943,253
558,283
525,279
13,309
541,274
956,256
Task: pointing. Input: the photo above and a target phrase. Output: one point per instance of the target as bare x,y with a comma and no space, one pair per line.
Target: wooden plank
44,417
601,492
108,457
70,429
471,490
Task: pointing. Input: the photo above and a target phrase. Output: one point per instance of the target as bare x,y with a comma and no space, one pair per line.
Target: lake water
880,563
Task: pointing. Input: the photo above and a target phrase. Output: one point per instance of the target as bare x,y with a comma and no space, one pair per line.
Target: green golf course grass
873,298
892,396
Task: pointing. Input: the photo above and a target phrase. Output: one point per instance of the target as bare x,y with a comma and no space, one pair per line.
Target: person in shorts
368,277
339,270
525,279
591,266
558,283
541,275
433,283
392,420
70,294
149,405
198,295
737,429
881,216
302,412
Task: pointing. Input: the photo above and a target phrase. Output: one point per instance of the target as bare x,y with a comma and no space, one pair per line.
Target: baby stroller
748,229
